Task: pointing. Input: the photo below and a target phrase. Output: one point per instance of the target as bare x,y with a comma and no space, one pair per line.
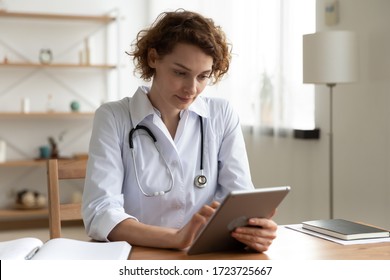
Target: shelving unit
25,216
44,115
21,219
23,163
19,216
12,214
99,18
105,19
57,65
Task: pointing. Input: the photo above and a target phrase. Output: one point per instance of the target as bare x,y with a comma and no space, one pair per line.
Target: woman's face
179,77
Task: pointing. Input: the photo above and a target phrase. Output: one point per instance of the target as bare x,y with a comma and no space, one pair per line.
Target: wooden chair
62,170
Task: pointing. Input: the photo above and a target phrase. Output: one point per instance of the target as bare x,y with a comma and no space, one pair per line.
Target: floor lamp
330,58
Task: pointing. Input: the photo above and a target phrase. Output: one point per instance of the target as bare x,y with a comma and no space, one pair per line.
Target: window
265,79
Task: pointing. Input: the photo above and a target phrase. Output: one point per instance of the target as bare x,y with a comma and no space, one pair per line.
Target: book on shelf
30,248
344,229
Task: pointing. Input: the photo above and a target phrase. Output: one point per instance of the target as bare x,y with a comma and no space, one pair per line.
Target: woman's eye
179,73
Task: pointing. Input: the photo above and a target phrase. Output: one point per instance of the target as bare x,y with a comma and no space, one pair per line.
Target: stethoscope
200,181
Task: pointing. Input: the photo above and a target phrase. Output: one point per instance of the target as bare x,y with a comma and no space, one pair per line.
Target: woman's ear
152,57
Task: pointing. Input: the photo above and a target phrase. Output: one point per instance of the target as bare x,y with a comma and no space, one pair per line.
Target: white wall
297,163
361,117
361,133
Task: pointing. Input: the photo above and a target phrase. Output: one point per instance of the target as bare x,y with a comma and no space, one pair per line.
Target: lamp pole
330,58
331,86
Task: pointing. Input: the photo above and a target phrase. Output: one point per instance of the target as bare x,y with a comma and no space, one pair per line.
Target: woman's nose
190,86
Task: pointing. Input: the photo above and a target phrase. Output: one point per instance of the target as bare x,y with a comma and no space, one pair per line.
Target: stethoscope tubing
200,181
137,128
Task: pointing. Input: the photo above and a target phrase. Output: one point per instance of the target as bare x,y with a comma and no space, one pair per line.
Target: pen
32,253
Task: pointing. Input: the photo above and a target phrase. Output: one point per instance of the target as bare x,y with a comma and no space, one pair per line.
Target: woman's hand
258,235
186,235
137,233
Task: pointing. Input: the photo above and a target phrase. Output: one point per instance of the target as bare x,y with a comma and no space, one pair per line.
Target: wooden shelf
11,219
44,16
23,163
57,65
35,162
46,115
22,214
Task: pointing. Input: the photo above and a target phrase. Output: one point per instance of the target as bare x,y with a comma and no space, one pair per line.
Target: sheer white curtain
265,79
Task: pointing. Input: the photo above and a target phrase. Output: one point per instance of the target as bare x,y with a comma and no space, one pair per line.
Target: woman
161,161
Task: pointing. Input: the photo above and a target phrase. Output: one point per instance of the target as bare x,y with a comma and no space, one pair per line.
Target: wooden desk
289,245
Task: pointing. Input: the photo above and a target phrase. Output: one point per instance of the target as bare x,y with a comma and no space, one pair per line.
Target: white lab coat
111,191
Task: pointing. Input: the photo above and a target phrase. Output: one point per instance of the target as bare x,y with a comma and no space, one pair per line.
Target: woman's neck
171,122
169,116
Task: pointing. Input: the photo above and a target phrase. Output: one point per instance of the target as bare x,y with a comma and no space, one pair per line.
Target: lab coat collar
140,106
199,107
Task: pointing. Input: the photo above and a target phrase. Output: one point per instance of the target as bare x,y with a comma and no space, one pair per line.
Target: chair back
62,170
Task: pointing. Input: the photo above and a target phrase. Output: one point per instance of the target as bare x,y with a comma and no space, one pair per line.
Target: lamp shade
330,57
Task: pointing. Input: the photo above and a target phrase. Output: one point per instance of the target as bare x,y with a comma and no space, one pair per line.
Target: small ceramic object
26,199
45,56
3,150
75,106
25,105
44,152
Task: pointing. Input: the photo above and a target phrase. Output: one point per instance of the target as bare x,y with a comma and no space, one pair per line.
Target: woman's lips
184,99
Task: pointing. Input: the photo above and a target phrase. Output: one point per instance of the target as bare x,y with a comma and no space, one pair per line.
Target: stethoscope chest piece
200,181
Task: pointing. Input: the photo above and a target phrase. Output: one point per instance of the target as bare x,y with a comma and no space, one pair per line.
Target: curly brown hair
182,26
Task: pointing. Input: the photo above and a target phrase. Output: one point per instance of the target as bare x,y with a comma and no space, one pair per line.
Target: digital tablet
235,211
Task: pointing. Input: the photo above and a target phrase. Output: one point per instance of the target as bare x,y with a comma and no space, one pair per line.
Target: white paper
18,249
298,227
63,249
70,249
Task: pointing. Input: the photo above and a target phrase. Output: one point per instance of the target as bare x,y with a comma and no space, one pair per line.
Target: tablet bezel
234,211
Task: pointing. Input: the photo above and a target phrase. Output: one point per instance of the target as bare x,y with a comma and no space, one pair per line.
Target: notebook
235,211
344,229
31,248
